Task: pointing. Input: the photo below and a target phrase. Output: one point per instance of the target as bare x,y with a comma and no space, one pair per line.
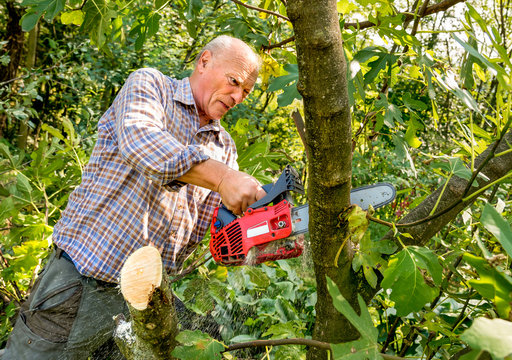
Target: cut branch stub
150,334
140,276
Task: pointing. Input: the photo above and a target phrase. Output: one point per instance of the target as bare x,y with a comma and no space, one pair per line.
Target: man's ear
204,60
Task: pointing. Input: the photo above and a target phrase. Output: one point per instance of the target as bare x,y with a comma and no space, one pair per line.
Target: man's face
226,80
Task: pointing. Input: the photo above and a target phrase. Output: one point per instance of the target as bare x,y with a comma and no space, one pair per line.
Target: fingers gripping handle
225,216
288,181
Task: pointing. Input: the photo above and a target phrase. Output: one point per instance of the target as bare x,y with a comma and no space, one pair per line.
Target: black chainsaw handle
288,181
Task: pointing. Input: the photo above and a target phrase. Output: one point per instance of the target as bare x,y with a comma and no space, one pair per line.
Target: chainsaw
270,228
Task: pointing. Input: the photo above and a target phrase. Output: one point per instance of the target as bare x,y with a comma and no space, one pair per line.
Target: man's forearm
207,174
238,190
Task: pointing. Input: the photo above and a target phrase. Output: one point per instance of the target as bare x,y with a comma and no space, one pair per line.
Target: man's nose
238,95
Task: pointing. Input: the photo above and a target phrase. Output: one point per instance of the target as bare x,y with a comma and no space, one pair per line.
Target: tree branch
422,227
260,10
442,6
273,46
296,341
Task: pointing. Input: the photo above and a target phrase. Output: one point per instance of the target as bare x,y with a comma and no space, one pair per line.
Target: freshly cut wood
151,331
140,275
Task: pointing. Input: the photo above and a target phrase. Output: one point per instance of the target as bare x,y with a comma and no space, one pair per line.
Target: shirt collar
183,92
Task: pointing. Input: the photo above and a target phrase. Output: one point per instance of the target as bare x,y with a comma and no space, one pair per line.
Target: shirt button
179,207
173,233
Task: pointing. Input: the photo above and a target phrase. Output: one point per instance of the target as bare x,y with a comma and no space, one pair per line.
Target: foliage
197,345
366,346
492,335
424,106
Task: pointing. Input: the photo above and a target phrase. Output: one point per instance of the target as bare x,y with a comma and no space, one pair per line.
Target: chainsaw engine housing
257,236
230,245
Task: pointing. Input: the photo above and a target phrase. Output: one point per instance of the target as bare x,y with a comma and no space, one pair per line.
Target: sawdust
271,248
124,332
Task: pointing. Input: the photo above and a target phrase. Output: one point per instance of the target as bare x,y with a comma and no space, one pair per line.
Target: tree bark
14,48
496,168
323,86
151,332
30,61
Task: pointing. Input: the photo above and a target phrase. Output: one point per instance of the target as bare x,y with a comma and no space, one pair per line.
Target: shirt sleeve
140,128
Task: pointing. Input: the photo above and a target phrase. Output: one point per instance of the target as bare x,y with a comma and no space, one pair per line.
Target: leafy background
420,116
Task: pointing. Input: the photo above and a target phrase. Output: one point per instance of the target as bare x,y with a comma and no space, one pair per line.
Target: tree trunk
30,61
151,332
323,86
14,48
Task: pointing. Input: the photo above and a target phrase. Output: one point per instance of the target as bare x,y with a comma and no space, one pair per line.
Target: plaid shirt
129,197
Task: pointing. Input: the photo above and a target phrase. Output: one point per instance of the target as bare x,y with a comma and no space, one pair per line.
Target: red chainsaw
269,229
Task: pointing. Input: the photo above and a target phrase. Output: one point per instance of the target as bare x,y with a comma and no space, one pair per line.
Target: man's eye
233,81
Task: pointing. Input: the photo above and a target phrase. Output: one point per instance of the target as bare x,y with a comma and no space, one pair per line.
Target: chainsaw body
252,238
269,228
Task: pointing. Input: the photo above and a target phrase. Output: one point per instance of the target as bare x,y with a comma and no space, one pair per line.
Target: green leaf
369,257
378,65
404,277
402,151
289,94
410,135
97,19
345,6
366,347
37,8
257,276
23,184
197,296
458,168
197,346
466,70
492,335
75,17
29,21
4,150
493,284
413,104
7,208
454,166
498,226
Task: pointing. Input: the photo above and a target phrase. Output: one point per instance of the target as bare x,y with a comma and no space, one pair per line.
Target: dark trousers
66,316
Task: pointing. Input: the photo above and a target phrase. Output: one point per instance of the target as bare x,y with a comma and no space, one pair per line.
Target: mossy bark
323,86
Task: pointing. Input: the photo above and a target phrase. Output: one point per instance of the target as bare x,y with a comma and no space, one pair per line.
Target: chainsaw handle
276,192
288,181
225,216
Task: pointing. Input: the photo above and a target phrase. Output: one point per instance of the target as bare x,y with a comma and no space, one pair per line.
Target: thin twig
195,265
442,6
487,159
261,10
278,45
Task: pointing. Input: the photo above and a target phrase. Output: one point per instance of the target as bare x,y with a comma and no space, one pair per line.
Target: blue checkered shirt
129,197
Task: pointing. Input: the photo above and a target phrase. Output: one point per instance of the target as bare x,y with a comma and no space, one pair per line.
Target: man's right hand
238,190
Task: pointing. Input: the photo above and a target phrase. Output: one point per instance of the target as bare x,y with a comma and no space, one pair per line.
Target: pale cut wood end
140,275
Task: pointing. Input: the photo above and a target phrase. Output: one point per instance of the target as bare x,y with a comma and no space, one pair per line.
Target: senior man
161,164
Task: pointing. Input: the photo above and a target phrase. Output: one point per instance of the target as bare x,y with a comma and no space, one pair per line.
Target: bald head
227,46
